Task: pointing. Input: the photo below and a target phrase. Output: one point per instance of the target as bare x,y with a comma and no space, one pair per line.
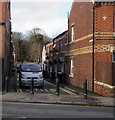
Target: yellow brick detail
82,38
88,49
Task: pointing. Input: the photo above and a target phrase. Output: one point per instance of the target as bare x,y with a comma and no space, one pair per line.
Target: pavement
76,98
55,99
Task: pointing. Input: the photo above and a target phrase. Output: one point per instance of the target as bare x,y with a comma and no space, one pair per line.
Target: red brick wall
3,11
82,70
105,74
2,27
103,57
105,91
5,39
81,18
61,42
104,25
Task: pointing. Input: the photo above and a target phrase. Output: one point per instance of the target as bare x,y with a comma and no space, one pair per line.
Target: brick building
46,59
59,58
55,63
91,45
6,47
88,47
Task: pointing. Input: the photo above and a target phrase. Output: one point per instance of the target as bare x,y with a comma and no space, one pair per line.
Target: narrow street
48,88
57,59
26,110
21,104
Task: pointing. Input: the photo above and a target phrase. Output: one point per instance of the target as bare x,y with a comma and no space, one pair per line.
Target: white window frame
72,33
71,67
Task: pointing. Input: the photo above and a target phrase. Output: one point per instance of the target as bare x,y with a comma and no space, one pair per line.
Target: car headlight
41,76
23,76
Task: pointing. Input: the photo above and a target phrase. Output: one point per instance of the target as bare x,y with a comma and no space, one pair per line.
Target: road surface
27,110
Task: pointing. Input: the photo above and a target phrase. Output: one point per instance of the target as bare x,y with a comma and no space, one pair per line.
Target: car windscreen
31,68
18,66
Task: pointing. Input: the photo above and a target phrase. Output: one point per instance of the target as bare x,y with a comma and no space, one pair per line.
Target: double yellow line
65,89
68,91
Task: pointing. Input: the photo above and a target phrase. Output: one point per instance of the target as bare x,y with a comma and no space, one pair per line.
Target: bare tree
38,39
29,47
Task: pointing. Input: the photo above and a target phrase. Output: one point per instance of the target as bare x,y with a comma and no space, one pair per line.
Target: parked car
31,70
18,67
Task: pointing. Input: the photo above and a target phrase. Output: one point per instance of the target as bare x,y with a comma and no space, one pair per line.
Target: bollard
32,86
52,76
6,80
19,79
57,86
85,89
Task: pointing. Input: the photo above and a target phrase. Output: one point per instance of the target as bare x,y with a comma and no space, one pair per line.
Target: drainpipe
93,52
93,44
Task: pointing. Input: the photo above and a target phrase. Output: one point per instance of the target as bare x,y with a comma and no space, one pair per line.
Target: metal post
85,89
93,49
19,78
32,86
57,86
6,80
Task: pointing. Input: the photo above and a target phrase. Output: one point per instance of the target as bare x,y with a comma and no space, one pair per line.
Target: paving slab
55,99
78,99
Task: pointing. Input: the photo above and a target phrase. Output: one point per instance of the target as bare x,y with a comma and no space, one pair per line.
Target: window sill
72,42
70,75
66,44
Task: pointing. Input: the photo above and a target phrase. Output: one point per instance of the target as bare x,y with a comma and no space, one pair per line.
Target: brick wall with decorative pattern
80,49
104,46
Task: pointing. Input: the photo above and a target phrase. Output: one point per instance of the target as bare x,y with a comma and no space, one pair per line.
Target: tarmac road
48,88
27,110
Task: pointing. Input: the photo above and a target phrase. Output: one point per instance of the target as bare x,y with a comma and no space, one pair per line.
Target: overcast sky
49,16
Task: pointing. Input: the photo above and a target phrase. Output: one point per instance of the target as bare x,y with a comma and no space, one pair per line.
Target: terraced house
59,58
91,46
6,48
88,50
46,60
